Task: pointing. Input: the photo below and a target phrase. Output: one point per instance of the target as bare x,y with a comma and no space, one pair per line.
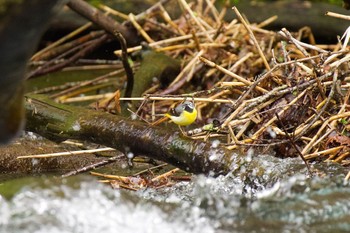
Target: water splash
279,198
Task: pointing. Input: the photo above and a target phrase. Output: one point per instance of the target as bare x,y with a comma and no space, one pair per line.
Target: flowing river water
281,199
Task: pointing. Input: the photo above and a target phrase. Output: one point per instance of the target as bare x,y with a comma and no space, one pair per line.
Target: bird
184,114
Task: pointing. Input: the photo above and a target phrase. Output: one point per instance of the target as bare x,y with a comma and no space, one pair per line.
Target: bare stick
337,15
139,28
128,70
194,17
85,83
62,40
94,166
51,155
251,34
96,16
92,46
233,75
294,145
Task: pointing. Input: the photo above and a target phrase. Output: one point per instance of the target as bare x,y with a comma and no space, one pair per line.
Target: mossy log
58,121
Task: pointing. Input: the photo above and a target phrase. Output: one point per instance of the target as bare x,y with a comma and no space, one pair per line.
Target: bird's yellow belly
186,118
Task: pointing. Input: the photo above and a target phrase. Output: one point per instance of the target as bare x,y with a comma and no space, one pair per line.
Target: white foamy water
90,208
278,198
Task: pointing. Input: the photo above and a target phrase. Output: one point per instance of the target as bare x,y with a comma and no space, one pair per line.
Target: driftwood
270,90
59,121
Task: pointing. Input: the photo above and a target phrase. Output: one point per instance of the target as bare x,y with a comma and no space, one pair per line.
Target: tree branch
59,121
105,22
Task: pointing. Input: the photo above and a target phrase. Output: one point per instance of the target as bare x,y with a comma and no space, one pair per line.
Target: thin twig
60,41
292,141
233,75
68,153
337,15
94,166
127,68
92,46
251,34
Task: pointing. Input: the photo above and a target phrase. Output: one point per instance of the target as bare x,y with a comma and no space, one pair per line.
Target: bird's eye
189,107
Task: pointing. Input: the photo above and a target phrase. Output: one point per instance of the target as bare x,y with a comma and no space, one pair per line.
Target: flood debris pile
276,92
279,91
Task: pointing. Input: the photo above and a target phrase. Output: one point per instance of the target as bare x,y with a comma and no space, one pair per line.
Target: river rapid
281,199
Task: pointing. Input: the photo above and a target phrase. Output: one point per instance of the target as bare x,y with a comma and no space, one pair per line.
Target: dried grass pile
259,88
253,88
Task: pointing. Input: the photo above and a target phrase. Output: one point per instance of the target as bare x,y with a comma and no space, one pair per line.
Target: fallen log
60,122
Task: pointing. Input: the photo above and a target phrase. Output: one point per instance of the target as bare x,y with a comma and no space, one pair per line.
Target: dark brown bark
105,22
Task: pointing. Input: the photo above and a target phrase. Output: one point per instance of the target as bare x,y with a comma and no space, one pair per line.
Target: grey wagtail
184,114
